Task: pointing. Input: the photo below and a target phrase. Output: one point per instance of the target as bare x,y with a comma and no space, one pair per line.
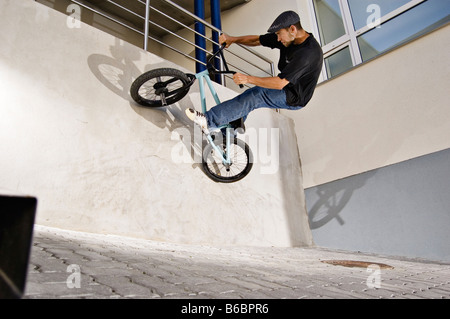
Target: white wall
386,111
71,136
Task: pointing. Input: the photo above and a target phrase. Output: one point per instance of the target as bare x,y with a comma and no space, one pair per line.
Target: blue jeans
239,107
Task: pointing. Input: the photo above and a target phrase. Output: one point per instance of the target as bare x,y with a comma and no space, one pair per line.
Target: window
329,18
355,31
339,62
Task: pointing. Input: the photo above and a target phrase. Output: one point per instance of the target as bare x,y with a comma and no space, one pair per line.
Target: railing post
147,20
217,22
200,55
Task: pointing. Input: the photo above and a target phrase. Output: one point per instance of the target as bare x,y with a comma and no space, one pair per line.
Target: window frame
350,39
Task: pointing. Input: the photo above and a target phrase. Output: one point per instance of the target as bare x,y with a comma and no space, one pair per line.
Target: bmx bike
225,158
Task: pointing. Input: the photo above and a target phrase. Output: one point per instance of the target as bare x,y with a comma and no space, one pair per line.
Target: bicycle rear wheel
160,87
241,162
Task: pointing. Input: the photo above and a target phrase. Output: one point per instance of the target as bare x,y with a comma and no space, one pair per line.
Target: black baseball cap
284,20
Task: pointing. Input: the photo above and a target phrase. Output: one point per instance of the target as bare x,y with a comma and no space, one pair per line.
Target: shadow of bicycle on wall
331,199
117,73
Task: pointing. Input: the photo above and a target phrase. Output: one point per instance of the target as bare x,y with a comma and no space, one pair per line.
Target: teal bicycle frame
202,77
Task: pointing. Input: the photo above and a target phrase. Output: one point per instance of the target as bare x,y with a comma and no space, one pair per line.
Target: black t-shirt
300,64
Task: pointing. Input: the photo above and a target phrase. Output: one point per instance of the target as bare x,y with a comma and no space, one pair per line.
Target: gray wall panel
403,210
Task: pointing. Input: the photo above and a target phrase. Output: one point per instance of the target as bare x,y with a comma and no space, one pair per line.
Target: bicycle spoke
160,87
239,163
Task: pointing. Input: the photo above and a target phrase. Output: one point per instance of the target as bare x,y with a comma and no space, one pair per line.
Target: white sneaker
198,118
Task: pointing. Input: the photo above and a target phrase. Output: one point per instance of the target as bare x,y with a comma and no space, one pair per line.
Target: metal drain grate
358,264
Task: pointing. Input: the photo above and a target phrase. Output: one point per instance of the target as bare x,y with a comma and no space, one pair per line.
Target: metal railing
253,62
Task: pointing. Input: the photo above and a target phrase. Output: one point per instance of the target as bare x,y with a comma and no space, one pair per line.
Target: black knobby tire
160,87
241,158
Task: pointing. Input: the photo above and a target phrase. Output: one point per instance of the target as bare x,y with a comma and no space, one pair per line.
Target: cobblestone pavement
66,264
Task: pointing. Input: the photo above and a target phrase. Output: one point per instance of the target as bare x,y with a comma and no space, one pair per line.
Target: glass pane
329,18
339,62
409,25
362,10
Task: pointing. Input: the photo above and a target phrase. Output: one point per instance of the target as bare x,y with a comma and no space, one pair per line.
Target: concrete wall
374,150
101,23
402,209
71,136
386,111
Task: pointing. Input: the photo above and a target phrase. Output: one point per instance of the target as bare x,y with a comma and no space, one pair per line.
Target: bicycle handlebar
213,70
211,59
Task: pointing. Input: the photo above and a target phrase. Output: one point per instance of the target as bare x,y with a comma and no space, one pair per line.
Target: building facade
374,141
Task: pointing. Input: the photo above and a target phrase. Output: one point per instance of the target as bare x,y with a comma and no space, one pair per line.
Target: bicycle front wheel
241,162
160,87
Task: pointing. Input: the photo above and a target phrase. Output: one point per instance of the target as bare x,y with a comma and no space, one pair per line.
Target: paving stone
125,287
115,267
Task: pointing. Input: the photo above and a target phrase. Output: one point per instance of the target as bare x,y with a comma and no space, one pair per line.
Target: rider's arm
276,82
249,40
